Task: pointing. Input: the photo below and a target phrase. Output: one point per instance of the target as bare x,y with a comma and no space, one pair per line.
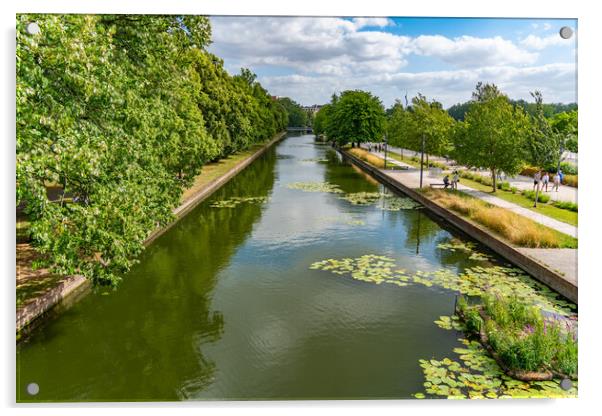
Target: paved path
564,193
411,178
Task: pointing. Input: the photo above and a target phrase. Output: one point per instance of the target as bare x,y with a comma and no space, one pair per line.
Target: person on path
536,179
561,175
545,180
445,181
455,180
556,182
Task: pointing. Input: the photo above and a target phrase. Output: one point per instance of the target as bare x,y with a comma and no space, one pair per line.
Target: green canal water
225,305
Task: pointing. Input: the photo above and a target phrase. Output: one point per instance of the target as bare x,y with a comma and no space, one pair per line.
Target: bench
434,185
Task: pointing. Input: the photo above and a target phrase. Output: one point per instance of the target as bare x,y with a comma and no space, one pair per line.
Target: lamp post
421,160
385,152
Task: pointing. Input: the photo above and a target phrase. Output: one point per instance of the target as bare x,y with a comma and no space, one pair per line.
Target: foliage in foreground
516,228
521,336
120,112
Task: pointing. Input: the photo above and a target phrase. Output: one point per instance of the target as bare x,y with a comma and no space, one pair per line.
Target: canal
227,304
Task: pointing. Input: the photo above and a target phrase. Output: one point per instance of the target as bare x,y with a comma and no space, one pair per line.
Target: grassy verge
414,161
524,341
518,230
369,158
212,171
564,215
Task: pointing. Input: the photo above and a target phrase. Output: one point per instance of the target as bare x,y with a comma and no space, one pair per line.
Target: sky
310,58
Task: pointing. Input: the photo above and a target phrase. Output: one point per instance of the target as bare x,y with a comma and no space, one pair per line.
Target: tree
321,119
399,126
120,113
297,117
566,126
357,116
493,134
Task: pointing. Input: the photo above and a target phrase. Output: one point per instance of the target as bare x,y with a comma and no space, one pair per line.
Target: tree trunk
427,161
494,180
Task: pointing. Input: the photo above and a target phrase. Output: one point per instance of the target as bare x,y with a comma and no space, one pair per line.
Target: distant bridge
305,129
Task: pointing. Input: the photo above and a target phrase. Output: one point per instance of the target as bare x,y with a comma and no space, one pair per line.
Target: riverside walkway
562,260
521,182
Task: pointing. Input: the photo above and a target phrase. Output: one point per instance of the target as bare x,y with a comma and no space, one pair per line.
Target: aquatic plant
315,187
473,281
236,200
524,340
387,202
475,375
457,245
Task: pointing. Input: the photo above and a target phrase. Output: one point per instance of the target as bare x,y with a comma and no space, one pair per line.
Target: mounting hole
566,384
566,32
33,389
32,28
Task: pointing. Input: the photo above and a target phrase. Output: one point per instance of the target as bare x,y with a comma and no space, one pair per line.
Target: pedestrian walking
545,180
536,179
561,174
455,180
556,181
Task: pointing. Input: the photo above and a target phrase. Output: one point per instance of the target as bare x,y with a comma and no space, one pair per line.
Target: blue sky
309,58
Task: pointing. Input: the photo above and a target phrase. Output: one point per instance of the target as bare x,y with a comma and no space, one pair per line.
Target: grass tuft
515,228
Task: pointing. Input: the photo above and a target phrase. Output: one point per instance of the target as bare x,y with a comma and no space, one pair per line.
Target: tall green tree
119,114
297,117
565,124
430,124
493,135
357,116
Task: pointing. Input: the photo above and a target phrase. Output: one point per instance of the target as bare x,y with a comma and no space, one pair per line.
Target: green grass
549,210
517,229
411,160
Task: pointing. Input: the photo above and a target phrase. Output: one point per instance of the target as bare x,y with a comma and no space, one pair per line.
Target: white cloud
468,51
361,22
539,43
320,56
556,81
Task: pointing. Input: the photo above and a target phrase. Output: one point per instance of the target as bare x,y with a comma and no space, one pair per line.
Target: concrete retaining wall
538,270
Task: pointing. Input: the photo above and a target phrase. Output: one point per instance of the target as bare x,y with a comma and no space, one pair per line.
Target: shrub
513,189
529,171
568,168
504,186
478,178
543,198
570,206
486,181
570,180
523,338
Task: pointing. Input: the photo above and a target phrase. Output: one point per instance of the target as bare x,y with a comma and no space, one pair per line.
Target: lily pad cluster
349,220
315,187
388,202
474,281
456,245
368,268
236,200
475,375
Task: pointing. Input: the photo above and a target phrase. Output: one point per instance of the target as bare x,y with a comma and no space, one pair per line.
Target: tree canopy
493,135
354,116
120,113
